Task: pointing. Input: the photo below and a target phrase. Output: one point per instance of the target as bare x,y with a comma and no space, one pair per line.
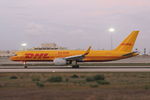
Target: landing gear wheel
25,66
75,66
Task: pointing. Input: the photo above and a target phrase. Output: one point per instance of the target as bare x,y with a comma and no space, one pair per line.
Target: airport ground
135,64
76,85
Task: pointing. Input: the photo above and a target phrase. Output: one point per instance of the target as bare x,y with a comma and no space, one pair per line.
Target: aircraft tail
128,43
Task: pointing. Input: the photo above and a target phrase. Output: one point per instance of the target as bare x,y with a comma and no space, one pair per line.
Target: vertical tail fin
128,43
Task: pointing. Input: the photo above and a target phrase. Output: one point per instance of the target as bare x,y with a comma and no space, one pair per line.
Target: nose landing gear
25,65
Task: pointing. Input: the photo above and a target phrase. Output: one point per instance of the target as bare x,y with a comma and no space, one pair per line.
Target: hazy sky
73,23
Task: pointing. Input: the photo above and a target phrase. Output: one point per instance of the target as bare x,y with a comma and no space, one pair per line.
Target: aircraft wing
78,57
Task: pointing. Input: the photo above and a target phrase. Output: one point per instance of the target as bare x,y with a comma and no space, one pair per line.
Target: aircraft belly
100,58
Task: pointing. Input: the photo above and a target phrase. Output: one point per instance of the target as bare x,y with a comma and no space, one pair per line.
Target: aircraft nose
13,58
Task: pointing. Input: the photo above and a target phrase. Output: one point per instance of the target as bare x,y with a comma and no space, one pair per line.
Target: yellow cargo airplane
71,57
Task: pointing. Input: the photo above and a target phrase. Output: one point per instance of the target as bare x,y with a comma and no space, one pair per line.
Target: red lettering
29,55
36,55
61,53
127,44
45,55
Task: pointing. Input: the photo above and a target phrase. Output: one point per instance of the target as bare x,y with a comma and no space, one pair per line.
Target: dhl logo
36,55
127,44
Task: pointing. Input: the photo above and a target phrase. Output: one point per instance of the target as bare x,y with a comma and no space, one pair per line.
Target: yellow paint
94,55
128,43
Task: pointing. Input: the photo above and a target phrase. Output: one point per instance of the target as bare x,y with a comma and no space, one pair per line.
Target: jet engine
60,61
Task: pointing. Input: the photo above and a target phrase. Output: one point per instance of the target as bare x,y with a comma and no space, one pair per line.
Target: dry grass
123,86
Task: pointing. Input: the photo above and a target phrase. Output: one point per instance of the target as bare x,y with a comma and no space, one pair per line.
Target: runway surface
81,69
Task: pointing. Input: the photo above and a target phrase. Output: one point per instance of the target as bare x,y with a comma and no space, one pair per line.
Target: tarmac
138,59
81,69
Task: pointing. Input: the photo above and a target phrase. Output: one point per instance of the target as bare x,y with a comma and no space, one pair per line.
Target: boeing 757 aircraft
72,57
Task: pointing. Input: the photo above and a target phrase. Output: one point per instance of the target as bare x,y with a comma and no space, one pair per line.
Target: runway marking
69,67
81,69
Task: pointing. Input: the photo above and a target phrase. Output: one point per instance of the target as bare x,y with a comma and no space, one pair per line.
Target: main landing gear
25,65
75,65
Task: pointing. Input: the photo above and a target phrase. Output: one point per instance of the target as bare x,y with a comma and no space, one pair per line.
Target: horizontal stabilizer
130,54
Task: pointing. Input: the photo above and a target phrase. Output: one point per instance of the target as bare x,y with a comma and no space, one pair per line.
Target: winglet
88,50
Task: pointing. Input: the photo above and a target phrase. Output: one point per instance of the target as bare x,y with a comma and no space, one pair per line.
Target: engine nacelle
60,61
